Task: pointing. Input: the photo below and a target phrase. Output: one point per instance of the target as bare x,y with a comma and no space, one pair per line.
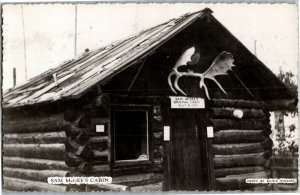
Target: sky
47,31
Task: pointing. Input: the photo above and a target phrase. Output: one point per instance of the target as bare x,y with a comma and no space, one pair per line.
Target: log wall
64,142
67,144
89,152
157,139
241,147
33,150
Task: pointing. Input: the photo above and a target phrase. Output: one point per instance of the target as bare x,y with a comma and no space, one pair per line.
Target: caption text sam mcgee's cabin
183,102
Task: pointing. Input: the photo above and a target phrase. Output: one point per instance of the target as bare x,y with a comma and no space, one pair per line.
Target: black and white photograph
149,97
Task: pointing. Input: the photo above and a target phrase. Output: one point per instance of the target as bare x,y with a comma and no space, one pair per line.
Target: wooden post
165,105
210,154
14,76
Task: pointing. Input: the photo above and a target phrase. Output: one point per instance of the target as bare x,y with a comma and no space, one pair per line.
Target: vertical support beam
204,120
110,156
165,106
209,152
14,77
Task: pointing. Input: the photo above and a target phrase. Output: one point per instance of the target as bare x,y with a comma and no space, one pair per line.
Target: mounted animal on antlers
221,64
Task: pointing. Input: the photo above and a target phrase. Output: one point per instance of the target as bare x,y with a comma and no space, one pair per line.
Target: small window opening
131,135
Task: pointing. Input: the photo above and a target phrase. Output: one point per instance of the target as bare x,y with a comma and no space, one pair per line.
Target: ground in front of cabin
157,187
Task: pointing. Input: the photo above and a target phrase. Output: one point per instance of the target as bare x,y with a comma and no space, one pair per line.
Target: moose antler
221,64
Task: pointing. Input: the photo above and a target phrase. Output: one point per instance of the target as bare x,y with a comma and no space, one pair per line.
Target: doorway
186,161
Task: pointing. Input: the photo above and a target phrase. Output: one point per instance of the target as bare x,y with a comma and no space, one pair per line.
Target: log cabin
183,103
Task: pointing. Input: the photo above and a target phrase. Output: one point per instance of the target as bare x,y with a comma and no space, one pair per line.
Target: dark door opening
185,162
131,135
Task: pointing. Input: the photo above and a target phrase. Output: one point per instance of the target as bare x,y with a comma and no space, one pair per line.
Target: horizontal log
240,160
238,182
157,135
288,104
157,126
223,172
73,160
131,163
157,165
79,150
243,124
238,136
270,105
30,174
85,167
157,118
101,170
99,142
109,187
99,139
138,179
229,149
267,143
281,168
98,162
132,170
47,123
239,103
157,142
228,112
43,151
158,152
98,153
28,185
35,138
32,163
101,155
72,131
286,187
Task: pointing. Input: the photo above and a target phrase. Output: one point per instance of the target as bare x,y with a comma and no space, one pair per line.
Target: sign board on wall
166,133
210,132
182,102
100,128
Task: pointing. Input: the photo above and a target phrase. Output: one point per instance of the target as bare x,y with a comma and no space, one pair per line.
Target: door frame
167,149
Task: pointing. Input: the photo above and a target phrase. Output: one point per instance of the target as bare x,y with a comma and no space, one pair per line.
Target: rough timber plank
138,179
238,182
47,123
230,149
269,105
241,160
244,124
228,112
223,172
32,163
134,54
237,103
43,151
35,138
28,185
31,174
238,136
